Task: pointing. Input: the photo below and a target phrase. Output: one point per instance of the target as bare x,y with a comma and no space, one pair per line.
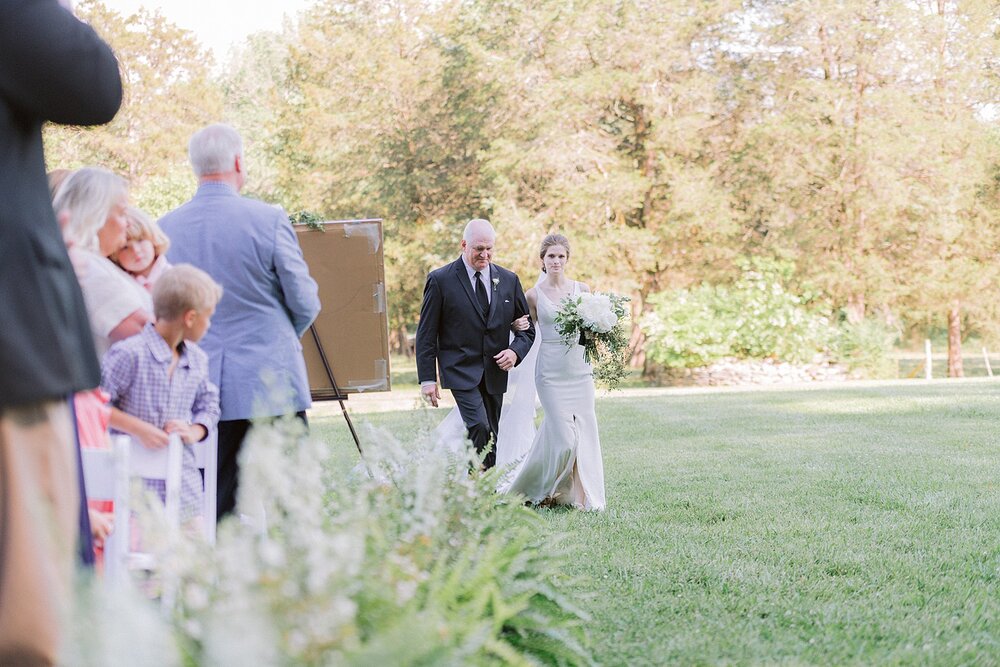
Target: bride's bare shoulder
531,294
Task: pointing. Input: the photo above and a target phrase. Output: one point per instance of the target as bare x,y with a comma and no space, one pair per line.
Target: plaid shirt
134,373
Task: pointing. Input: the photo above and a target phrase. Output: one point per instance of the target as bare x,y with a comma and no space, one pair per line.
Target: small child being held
158,379
144,256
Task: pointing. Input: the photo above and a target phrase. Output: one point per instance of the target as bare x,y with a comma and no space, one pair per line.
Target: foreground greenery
833,526
408,560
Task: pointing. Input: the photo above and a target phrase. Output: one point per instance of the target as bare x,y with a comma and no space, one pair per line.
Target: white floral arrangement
408,559
597,322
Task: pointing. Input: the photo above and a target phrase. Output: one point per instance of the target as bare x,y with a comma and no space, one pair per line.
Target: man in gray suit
268,301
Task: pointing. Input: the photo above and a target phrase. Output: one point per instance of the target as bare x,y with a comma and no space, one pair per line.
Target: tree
956,46
609,138
865,158
169,94
386,114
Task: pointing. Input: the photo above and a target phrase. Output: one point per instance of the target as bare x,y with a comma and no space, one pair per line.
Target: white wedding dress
561,462
564,464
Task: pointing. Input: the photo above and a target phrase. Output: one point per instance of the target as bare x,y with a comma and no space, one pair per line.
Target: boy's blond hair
182,288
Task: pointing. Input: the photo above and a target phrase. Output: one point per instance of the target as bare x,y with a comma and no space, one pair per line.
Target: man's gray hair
477,225
214,149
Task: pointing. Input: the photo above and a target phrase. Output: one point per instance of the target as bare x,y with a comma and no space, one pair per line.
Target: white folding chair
206,454
105,473
162,464
108,474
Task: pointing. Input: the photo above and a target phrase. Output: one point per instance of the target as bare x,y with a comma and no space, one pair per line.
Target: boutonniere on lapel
496,281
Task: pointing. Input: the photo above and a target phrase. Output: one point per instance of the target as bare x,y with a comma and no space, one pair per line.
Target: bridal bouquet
596,321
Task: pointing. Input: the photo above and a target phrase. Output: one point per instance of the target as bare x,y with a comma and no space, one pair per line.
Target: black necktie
484,300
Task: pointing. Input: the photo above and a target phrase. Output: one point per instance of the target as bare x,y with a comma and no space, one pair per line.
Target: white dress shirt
484,276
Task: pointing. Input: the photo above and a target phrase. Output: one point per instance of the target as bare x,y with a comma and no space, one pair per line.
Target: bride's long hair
549,241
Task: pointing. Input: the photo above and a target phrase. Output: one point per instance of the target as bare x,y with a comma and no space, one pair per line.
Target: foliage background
855,141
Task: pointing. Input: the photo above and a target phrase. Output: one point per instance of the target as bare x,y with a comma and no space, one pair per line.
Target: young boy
158,379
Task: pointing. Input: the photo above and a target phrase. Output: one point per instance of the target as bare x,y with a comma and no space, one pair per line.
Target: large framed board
351,334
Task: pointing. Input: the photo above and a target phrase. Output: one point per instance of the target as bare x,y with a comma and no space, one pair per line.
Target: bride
561,463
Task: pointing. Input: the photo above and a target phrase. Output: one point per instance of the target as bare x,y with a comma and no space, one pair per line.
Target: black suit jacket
454,334
52,68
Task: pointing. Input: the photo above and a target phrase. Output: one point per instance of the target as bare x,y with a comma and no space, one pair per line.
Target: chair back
108,475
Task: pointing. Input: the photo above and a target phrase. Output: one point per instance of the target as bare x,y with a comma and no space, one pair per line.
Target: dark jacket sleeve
427,331
522,339
54,67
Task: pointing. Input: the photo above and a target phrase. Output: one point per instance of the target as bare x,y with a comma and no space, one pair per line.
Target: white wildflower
405,590
271,553
196,596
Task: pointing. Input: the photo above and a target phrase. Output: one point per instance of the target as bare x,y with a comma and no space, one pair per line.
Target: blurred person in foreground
268,300
52,68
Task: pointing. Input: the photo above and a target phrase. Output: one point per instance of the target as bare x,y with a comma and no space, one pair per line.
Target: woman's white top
111,296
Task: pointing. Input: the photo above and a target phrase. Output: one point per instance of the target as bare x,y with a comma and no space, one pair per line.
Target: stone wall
732,372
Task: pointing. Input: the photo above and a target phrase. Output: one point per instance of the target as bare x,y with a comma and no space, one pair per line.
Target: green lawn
834,526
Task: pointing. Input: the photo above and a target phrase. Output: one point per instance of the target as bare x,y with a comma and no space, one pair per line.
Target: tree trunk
855,308
955,341
399,342
636,343
637,339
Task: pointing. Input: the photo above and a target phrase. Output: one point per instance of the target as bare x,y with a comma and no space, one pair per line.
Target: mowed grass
834,526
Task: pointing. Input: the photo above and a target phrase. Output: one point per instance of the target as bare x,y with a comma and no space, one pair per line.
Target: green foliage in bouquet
409,560
597,322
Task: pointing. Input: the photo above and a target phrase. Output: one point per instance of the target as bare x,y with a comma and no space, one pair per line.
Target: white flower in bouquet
597,313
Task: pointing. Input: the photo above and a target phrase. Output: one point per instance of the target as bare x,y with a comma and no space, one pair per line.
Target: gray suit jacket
52,67
270,300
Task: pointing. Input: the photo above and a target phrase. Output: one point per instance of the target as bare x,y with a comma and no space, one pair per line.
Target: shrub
689,328
756,317
865,347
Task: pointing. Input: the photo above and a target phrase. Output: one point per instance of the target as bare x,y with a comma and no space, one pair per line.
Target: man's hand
431,393
152,437
506,359
190,433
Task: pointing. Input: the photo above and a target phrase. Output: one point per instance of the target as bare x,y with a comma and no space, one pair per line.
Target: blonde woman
94,201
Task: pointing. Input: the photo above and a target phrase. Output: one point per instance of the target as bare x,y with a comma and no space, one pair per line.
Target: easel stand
335,394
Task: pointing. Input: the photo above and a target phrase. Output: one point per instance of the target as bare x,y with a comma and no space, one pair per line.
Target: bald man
464,332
